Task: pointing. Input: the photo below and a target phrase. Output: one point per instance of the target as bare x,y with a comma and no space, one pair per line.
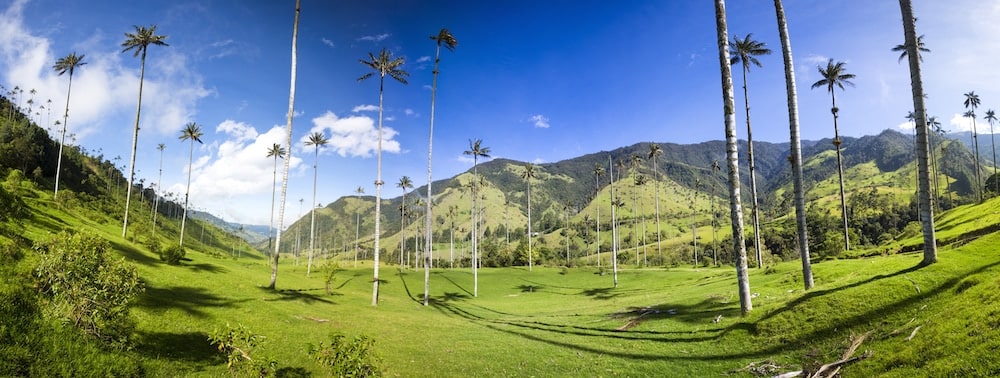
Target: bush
173,254
348,358
84,285
242,349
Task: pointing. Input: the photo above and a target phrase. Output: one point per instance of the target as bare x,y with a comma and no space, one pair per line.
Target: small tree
345,357
242,349
86,286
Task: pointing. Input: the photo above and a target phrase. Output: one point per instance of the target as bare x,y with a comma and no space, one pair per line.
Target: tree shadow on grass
188,299
530,288
134,254
454,283
190,347
602,293
302,295
206,267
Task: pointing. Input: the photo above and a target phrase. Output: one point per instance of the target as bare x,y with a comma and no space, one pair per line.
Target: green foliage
11,206
84,285
344,357
173,254
243,351
330,269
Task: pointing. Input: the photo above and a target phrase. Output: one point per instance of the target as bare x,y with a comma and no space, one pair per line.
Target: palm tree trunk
530,259
288,142
312,214
475,224
135,142
378,195
62,142
614,222
187,191
270,227
795,154
430,149
840,171
732,157
917,86
656,190
598,208
979,169
754,209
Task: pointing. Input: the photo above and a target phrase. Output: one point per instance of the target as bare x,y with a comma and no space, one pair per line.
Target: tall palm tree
446,39
192,132
835,75
634,162
316,140
639,181
383,64
138,41
404,183
68,63
527,175
732,156
357,230
277,152
744,52
934,125
655,151
452,212
614,221
795,147
711,205
903,51
992,118
971,103
476,150
288,142
598,172
917,90
156,205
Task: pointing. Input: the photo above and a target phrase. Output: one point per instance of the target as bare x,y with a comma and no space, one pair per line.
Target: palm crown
276,151
901,49
833,75
385,64
745,51
141,39
972,100
192,131
68,63
444,38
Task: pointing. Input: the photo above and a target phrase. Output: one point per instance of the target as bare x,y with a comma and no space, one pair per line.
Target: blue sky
538,81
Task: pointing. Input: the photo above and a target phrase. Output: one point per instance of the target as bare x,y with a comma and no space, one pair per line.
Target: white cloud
960,123
328,42
423,59
540,121
354,135
538,161
365,108
375,38
213,177
410,112
905,126
107,86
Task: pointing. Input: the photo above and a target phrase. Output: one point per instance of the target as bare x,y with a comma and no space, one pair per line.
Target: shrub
242,350
173,254
345,357
84,285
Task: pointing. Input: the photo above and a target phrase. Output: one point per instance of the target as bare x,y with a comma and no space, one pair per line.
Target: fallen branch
914,333
832,369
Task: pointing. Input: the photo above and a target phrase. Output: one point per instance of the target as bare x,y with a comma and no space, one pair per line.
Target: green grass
556,322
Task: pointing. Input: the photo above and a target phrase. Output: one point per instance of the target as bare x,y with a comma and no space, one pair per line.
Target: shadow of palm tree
134,254
530,288
455,283
205,267
189,347
191,300
603,293
301,295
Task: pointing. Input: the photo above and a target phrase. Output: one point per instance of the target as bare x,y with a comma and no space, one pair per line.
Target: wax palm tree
655,151
971,103
732,156
316,140
795,146
404,183
192,131
277,152
156,205
446,39
614,221
934,125
835,75
992,118
68,63
921,48
476,150
139,41
639,181
598,172
745,52
917,91
357,230
288,142
527,175
383,64
452,212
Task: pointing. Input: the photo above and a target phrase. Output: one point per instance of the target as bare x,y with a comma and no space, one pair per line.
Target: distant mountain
566,191
251,233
